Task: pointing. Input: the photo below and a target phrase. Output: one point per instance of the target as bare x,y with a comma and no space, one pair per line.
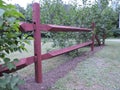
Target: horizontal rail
26,27
48,27
63,28
21,64
64,50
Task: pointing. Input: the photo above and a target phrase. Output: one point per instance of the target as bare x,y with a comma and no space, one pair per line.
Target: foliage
10,82
26,12
56,12
10,36
21,10
116,33
11,40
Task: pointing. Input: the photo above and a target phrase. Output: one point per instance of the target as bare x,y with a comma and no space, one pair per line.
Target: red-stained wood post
37,43
93,36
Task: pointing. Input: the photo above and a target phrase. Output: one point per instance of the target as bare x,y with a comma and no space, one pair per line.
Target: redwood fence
37,27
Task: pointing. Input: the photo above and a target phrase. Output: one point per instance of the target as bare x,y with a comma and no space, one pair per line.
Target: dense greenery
11,40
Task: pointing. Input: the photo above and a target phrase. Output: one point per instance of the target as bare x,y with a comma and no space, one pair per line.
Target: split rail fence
37,27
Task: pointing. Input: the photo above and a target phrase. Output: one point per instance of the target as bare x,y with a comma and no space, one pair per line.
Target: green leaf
10,6
1,21
2,11
1,41
6,60
5,75
7,51
14,81
2,83
11,66
15,60
11,19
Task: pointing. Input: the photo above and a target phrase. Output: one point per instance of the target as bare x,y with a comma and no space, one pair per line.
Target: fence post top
36,3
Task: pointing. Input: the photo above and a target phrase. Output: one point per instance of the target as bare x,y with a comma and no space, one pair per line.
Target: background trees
56,12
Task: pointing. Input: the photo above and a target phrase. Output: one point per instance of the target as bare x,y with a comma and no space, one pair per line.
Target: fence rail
25,27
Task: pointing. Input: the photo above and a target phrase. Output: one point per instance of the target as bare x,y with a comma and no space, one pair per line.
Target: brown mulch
52,76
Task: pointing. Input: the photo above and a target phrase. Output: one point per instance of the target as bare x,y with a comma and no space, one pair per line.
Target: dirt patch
52,76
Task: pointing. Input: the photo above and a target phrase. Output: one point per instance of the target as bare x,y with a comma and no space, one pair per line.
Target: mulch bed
52,76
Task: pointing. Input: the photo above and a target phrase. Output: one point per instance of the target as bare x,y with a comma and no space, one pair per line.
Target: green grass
99,72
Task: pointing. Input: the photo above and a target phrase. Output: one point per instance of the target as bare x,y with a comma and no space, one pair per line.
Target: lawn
98,72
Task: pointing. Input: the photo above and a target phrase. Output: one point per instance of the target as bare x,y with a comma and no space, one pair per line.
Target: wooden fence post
37,43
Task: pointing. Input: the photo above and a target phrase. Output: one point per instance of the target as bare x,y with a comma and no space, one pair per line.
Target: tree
21,10
28,13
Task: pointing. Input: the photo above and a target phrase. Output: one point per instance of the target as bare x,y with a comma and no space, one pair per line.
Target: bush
10,41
